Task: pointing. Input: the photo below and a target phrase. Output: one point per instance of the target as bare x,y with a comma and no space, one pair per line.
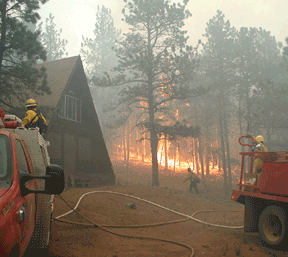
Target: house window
71,109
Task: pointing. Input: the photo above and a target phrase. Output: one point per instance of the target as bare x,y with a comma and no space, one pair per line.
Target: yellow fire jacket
258,162
30,115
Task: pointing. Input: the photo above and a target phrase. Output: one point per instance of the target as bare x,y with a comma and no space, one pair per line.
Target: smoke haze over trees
242,69
50,39
99,58
152,82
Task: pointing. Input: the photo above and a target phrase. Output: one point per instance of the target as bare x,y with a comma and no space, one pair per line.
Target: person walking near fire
194,180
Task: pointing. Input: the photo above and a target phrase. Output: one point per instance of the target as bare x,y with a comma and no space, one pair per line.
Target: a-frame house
74,133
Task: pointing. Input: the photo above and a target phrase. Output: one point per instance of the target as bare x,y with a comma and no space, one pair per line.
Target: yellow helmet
30,102
260,138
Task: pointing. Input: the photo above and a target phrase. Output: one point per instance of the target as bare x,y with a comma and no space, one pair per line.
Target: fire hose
103,227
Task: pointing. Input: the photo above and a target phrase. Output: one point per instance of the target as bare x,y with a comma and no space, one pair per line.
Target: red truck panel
274,178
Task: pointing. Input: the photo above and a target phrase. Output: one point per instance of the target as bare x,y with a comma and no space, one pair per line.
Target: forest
178,106
159,99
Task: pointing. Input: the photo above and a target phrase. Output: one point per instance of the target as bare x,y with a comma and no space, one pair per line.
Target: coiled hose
104,227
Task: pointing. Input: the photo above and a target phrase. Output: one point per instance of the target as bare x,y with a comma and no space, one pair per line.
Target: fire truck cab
265,196
27,184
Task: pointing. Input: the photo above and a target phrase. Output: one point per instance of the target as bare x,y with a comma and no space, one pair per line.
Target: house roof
58,74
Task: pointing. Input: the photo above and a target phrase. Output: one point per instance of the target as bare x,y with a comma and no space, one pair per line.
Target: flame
215,173
177,114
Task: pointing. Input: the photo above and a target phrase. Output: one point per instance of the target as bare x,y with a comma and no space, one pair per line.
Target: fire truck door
26,211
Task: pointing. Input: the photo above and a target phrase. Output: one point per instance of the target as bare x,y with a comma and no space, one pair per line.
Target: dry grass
212,188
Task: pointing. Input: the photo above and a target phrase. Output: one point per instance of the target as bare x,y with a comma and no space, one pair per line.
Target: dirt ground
162,238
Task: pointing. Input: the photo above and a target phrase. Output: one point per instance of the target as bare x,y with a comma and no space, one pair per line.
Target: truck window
21,158
3,157
6,162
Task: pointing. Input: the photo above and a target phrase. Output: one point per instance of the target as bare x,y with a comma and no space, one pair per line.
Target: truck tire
251,214
273,226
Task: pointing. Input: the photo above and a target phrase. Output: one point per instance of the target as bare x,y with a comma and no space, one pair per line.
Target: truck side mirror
54,181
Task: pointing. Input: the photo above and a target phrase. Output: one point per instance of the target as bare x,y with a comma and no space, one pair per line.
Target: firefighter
194,180
34,118
258,147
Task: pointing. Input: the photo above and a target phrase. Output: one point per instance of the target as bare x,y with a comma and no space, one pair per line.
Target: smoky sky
76,18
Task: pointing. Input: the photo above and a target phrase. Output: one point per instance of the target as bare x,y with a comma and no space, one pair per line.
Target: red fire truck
265,195
27,184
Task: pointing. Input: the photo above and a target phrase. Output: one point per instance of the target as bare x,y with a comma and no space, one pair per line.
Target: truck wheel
273,226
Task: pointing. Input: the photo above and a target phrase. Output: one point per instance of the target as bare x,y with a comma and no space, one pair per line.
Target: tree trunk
240,118
226,132
193,153
152,129
227,151
175,152
124,146
196,155
195,142
201,158
154,146
153,141
137,144
143,147
221,134
128,150
166,153
179,155
249,125
161,154
207,158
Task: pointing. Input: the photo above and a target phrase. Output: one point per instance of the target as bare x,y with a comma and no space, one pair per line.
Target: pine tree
99,57
97,52
20,50
50,38
155,64
218,61
258,71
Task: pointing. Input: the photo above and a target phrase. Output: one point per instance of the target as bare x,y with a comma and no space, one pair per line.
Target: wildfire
177,167
169,155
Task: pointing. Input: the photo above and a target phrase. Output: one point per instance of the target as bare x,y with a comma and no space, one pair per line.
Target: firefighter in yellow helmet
258,147
34,118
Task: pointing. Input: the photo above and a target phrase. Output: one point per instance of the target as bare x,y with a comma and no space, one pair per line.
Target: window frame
71,108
